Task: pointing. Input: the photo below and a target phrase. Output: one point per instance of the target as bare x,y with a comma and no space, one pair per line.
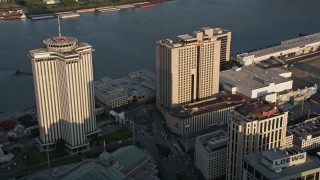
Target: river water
125,41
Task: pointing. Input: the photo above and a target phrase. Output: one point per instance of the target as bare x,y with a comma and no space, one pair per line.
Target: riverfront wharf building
285,50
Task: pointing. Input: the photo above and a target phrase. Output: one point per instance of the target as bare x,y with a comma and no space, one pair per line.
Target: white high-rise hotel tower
63,81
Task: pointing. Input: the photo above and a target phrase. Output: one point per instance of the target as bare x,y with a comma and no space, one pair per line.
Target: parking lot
306,72
302,111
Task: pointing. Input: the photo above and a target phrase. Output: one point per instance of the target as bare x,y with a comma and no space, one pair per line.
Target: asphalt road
177,163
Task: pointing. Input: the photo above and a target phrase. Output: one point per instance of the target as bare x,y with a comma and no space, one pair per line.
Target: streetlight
48,155
186,127
133,131
302,106
9,168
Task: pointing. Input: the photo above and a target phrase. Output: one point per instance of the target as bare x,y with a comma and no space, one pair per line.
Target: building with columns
253,128
63,82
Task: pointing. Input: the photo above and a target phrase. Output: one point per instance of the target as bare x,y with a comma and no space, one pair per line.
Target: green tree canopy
69,2
36,6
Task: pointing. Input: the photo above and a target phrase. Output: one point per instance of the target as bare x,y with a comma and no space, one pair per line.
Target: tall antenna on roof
59,26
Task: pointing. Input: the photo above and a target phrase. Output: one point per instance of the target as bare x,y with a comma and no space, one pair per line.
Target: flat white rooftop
135,84
214,141
284,173
253,77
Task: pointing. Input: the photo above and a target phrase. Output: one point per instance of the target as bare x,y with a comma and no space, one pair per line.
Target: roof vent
277,170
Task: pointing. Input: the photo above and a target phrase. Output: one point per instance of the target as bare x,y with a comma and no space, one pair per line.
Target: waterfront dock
126,6
65,15
42,16
144,5
76,13
107,9
85,10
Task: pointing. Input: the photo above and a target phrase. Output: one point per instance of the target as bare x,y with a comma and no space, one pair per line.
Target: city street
176,164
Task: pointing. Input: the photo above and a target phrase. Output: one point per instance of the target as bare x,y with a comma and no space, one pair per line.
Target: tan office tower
253,128
225,37
188,70
63,81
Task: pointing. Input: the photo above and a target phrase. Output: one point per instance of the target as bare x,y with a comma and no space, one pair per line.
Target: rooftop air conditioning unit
277,170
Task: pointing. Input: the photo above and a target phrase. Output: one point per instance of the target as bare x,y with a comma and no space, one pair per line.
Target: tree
36,6
164,150
69,3
26,120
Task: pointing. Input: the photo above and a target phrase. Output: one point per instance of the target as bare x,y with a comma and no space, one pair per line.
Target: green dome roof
105,158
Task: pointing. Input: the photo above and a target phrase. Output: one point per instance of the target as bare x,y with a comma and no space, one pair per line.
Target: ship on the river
10,15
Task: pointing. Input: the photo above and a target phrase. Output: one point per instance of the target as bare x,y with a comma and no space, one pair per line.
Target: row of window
60,46
48,59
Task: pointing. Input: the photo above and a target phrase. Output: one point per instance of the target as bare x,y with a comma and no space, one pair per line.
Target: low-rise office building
280,164
5,159
211,154
202,115
289,139
139,87
287,49
145,77
306,135
295,96
254,82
